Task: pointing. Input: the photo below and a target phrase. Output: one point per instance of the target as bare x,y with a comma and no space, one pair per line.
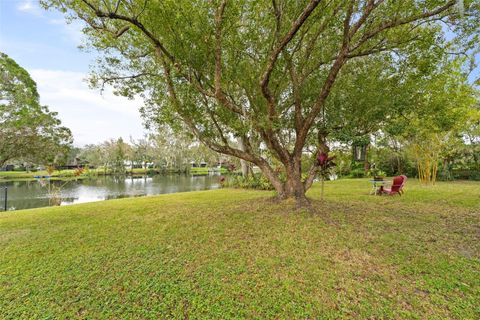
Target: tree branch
276,52
106,80
134,21
219,94
398,22
327,85
225,149
296,94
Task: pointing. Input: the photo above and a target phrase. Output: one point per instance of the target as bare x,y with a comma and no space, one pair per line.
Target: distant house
202,164
8,167
74,164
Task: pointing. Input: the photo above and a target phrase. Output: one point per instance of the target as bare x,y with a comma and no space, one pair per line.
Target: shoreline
7,176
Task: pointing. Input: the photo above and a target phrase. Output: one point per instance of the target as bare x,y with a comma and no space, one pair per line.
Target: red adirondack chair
397,186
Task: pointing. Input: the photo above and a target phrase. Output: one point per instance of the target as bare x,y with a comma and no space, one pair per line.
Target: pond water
31,194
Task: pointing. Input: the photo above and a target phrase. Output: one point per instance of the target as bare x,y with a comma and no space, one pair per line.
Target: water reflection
31,194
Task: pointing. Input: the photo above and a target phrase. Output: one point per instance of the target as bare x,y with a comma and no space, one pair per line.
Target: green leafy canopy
28,130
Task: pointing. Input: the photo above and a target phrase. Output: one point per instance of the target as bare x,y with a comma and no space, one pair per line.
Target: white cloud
92,117
72,31
30,6
56,21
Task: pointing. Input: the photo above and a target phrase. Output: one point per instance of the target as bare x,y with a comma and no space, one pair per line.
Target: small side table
377,186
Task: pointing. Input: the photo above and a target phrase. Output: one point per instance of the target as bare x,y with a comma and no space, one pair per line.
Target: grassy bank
11,175
205,171
25,175
236,254
30,175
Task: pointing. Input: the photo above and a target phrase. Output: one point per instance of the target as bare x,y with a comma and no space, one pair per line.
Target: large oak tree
28,130
258,72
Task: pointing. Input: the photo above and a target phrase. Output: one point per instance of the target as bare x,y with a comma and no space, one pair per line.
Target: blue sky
42,43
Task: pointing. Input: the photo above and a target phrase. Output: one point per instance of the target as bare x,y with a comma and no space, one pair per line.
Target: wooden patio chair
396,187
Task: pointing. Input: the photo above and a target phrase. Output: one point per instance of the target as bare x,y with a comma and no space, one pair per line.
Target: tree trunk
323,184
399,165
366,164
245,165
293,186
245,168
314,169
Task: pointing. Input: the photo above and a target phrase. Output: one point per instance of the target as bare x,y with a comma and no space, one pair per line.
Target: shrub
358,173
395,163
375,173
466,174
255,181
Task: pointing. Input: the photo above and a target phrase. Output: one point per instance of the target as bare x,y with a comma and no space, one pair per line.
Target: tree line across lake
161,152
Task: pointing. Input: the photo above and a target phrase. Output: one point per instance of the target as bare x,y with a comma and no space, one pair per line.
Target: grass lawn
30,175
205,170
7,175
24,175
237,254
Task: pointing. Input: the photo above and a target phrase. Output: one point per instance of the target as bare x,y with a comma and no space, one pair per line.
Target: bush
445,175
376,173
358,173
255,181
394,163
466,174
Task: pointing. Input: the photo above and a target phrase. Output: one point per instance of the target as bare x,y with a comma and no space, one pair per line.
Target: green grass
205,170
30,175
24,175
238,254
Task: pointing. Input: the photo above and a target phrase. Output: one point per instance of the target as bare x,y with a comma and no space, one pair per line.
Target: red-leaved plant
325,165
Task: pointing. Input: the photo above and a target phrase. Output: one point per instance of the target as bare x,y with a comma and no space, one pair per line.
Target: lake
31,194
